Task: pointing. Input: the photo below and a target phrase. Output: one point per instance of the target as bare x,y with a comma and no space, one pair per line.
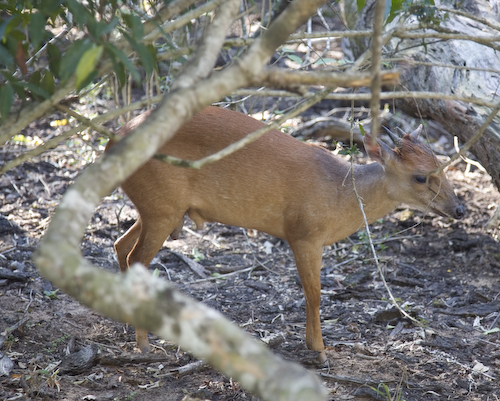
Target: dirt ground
445,273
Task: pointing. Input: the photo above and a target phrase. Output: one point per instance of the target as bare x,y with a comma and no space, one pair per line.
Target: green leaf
80,14
119,70
325,60
145,55
295,58
73,55
124,60
51,294
36,29
361,4
12,40
102,28
396,8
152,50
3,27
6,100
87,64
197,255
135,25
146,58
5,57
18,89
33,87
49,7
54,58
10,28
35,78
47,82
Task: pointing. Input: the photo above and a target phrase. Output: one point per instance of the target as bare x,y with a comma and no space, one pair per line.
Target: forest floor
445,273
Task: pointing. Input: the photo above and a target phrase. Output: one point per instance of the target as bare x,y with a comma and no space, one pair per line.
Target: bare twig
443,65
376,85
375,106
446,34
367,96
14,327
472,140
363,59
184,370
374,252
223,276
166,13
485,21
194,266
195,69
89,123
182,20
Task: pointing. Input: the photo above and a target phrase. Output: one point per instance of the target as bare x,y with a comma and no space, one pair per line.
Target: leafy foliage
30,33
424,10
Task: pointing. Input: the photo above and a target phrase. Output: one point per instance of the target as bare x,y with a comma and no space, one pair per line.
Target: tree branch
281,78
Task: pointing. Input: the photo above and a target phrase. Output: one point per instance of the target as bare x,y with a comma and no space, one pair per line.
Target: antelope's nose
459,212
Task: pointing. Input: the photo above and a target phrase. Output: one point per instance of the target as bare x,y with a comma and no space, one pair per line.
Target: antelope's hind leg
125,244
139,245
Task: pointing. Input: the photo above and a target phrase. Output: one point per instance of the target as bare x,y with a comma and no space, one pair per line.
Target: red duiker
277,185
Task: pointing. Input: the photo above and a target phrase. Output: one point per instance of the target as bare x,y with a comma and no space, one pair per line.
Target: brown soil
445,273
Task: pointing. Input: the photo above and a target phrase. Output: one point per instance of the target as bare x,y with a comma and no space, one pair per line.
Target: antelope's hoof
141,338
322,358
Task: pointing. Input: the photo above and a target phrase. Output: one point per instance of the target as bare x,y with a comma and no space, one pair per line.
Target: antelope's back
258,186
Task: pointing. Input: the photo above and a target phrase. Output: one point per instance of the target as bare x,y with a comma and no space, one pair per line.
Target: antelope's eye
421,179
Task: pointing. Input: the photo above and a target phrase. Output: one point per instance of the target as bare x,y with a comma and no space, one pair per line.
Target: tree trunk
458,118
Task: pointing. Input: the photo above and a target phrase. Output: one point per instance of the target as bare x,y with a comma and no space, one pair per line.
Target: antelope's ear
415,134
379,151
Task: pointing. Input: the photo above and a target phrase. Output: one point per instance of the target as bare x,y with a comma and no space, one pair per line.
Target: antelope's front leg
308,260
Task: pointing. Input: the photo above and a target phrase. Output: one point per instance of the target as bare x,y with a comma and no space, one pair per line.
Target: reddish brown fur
413,152
278,185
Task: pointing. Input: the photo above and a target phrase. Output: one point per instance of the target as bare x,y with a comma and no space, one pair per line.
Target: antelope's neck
372,185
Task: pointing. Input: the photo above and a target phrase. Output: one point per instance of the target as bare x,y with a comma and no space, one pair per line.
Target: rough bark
458,118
